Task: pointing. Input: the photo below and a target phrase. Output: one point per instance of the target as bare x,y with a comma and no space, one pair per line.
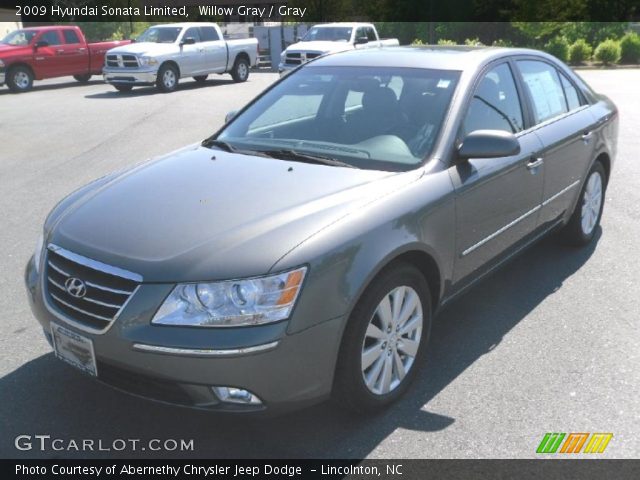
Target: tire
201,78
360,346
240,71
168,78
20,79
123,88
585,219
83,78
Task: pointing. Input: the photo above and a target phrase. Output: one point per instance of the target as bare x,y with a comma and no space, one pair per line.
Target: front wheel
20,79
83,78
585,219
167,78
240,71
384,340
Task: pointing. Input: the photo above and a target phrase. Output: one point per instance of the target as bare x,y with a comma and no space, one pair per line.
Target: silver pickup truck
164,54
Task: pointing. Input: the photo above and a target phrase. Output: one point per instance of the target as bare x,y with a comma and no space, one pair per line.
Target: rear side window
70,36
570,92
546,92
51,37
495,104
208,34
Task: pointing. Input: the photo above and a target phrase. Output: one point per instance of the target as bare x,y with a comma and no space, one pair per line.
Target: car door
215,50
47,59
73,54
497,199
565,128
192,57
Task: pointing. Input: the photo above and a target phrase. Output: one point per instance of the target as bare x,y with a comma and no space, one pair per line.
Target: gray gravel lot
548,344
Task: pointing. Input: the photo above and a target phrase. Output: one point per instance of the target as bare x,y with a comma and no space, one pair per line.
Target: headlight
147,61
38,253
234,303
283,55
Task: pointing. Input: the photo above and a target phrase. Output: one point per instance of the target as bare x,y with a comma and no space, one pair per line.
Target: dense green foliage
580,51
608,51
630,48
558,47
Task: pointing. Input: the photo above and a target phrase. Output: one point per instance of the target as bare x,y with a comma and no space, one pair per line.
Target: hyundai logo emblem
75,287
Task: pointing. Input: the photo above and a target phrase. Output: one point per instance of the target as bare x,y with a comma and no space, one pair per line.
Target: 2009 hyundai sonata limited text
302,251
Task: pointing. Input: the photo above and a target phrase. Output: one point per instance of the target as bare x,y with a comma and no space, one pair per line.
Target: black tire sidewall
236,69
11,84
349,387
573,233
159,82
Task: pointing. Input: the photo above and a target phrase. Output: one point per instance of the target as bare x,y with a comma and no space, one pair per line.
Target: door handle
586,136
535,162
60,51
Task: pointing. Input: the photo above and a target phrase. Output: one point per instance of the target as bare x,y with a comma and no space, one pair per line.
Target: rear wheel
240,71
123,88
20,79
167,78
201,78
384,340
586,217
83,78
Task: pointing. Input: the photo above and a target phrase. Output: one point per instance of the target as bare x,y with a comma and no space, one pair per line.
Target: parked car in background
331,38
164,54
37,53
302,251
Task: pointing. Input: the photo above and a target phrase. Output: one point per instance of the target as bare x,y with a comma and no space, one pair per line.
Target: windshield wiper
285,154
212,142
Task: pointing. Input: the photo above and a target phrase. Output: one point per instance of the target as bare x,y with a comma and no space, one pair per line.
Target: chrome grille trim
101,305
121,61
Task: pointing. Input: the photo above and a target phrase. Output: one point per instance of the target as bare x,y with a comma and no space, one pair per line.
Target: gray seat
378,116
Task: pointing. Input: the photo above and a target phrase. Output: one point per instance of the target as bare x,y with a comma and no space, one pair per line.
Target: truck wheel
240,71
20,79
384,341
201,78
167,78
83,78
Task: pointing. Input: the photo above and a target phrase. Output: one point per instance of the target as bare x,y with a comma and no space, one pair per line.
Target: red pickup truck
47,52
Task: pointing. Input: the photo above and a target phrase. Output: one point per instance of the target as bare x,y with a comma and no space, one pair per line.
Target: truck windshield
160,35
329,34
382,118
19,37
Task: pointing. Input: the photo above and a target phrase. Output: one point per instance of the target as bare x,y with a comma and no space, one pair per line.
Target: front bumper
291,371
3,73
129,76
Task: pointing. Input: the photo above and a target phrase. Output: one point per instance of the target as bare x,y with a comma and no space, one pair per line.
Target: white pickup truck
164,54
331,38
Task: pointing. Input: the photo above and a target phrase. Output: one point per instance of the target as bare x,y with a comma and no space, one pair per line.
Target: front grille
122,61
100,291
298,58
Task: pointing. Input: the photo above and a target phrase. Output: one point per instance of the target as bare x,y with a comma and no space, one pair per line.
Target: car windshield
330,34
378,118
19,37
160,35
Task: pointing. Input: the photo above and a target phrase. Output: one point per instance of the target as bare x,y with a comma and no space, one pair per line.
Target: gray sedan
302,251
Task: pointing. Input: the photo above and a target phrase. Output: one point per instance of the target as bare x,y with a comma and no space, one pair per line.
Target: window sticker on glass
443,83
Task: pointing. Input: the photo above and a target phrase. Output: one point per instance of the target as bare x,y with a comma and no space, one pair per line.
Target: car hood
145,48
9,50
203,214
319,46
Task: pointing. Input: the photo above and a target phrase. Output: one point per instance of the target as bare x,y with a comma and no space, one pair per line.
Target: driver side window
495,104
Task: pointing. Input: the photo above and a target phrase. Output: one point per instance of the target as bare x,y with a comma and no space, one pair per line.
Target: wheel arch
12,66
172,63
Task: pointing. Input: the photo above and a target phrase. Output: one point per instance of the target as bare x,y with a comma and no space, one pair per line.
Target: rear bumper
129,77
285,371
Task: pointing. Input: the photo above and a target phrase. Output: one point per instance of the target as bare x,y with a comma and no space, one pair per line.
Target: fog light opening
236,395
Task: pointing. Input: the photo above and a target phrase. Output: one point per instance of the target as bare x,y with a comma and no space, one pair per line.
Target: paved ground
550,343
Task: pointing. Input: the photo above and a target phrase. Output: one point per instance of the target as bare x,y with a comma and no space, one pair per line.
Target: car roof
49,27
438,57
184,24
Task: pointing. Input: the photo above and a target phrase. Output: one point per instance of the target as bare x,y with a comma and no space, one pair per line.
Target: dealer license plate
74,349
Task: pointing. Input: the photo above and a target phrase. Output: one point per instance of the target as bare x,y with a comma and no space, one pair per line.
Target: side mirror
489,144
41,43
229,116
298,39
188,41
133,39
361,40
